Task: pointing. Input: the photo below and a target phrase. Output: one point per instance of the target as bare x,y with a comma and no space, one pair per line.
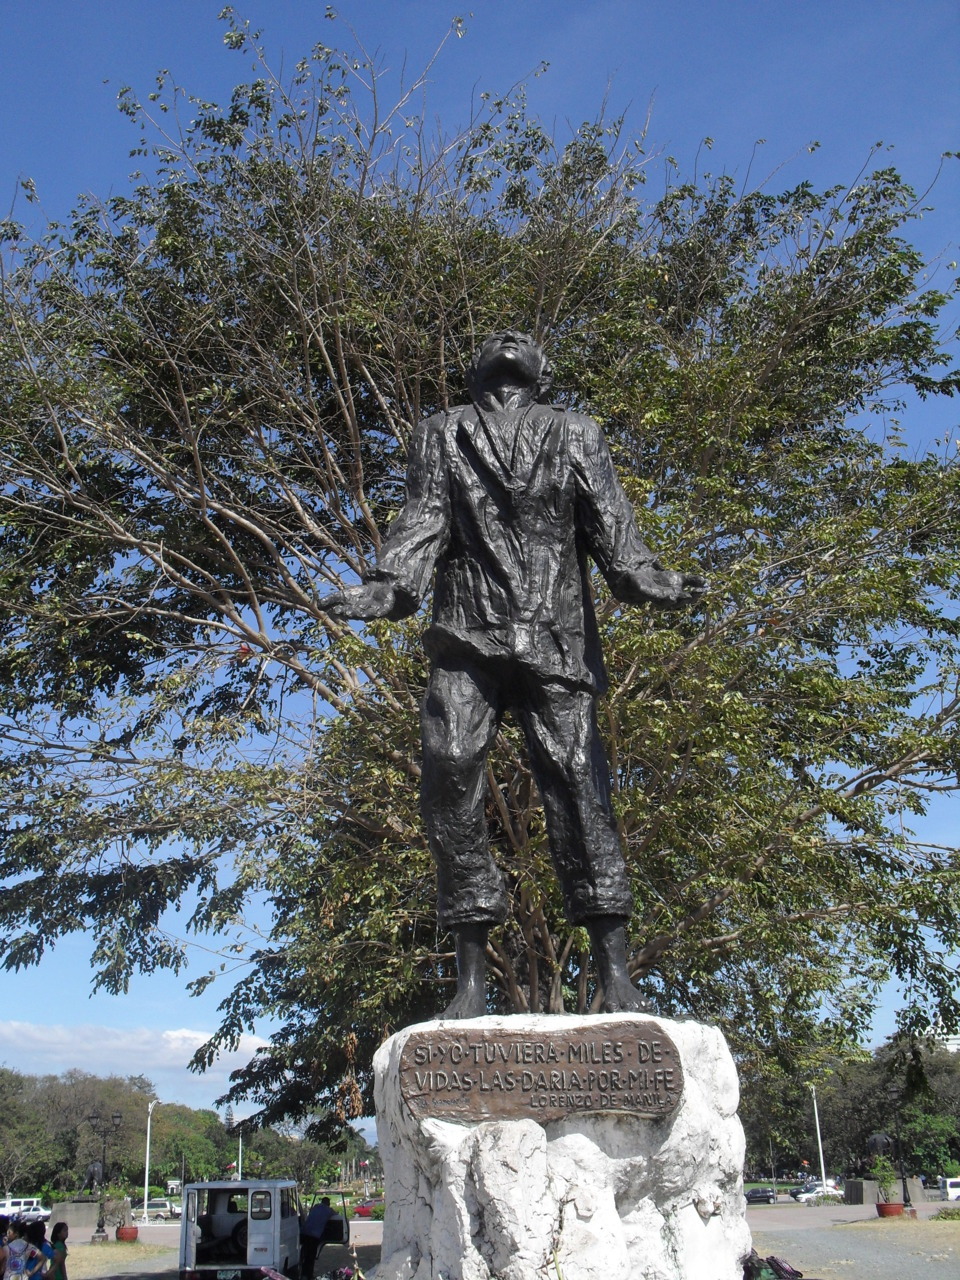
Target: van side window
286,1203
260,1204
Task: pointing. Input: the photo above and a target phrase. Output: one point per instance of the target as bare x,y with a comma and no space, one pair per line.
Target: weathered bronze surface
459,1073
507,497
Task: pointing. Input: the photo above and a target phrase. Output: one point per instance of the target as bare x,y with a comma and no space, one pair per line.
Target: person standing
36,1233
20,1253
311,1236
58,1242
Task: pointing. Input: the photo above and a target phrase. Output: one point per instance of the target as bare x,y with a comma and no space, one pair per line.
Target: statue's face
509,356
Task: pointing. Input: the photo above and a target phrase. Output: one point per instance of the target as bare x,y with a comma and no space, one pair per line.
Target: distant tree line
857,1096
47,1140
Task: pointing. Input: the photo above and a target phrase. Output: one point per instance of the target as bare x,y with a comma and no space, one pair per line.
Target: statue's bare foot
469,1002
621,996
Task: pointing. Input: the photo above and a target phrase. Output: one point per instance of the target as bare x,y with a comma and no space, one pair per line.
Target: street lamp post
893,1093
101,1128
146,1164
816,1121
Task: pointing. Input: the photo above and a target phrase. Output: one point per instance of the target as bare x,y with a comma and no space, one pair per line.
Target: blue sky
844,73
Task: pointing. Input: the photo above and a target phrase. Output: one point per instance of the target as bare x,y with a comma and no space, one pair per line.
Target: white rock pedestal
560,1148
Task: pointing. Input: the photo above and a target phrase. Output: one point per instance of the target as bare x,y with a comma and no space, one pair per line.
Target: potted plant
885,1174
117,1213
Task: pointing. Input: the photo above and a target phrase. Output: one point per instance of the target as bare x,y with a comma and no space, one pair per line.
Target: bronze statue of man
507,497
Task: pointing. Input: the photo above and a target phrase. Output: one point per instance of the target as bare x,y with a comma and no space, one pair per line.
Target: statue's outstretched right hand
665,587
367,601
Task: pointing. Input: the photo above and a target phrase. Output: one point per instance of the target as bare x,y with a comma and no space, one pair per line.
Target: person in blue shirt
311,1236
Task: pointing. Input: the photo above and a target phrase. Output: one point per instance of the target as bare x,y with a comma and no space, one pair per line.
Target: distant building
950,1042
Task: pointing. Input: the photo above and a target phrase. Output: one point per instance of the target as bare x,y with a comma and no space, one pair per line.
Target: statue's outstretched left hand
365,601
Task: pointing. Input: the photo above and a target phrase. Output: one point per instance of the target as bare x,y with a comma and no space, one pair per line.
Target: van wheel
294,1271
238,1237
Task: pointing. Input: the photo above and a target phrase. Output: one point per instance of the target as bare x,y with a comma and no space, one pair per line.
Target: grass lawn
95,1261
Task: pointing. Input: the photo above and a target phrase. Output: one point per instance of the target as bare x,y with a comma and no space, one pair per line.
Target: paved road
830,1242
787,1215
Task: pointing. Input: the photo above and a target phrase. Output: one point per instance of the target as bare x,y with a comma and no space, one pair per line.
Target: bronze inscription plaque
455,1073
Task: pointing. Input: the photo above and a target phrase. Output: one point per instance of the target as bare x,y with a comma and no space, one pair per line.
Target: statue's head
509,358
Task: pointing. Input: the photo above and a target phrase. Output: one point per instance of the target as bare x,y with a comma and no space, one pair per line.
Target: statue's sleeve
421,531
606,518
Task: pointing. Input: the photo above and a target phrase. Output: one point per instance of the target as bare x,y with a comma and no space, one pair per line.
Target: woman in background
36,1233
58,1239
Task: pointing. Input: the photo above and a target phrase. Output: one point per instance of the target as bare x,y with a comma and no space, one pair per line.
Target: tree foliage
208,385
855,1104
47,1140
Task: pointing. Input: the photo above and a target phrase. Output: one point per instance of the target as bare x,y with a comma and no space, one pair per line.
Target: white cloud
160,1055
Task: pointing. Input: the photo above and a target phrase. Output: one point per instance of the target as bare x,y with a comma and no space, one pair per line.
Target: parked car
160,1211
949,1188
26,1208
809,1185
366,1207
761,1195
816,1190
36,1213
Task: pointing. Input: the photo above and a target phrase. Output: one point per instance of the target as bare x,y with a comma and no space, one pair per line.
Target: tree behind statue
210,387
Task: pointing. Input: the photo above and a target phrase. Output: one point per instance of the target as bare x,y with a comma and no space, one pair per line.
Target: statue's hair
544,382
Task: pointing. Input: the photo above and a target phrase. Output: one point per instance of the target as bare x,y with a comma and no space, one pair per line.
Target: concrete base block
80,1216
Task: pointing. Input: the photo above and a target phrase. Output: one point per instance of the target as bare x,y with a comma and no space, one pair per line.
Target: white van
950,1188
26,1208
232,1230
